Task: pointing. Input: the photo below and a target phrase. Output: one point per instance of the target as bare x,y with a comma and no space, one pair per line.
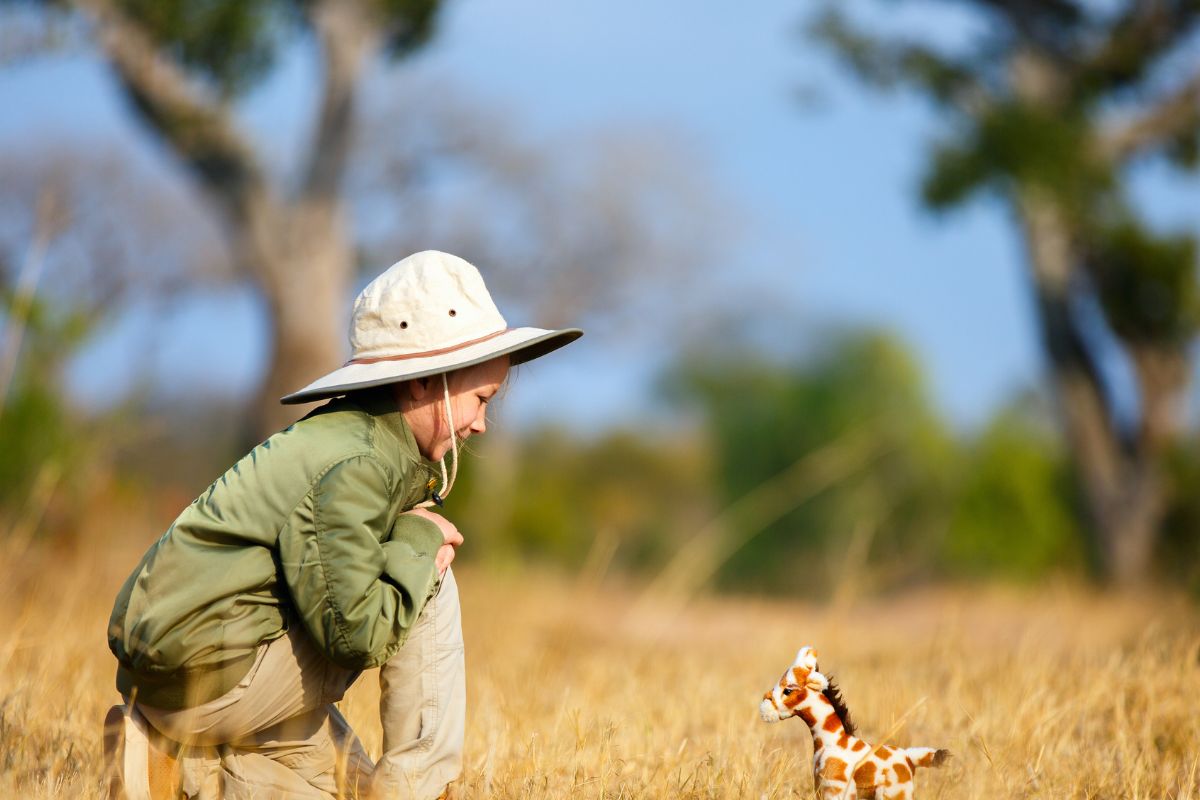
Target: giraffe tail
927,756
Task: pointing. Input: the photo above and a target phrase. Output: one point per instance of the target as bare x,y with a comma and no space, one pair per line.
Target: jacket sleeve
358,582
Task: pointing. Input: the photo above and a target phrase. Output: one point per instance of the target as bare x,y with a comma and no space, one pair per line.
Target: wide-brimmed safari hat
427,314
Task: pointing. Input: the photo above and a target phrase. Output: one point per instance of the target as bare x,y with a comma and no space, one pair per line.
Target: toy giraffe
840,757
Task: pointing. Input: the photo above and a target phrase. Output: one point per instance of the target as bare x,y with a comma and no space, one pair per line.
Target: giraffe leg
832,791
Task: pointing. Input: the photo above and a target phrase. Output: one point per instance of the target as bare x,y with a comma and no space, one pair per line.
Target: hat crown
427,302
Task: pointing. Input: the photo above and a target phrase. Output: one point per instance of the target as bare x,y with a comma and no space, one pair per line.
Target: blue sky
825,187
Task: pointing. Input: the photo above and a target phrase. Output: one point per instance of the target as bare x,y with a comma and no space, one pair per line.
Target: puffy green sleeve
357,578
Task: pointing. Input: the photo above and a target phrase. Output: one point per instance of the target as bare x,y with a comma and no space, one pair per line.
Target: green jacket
306,526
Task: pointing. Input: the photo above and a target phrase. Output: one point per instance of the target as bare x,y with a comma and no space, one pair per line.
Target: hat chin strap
447,481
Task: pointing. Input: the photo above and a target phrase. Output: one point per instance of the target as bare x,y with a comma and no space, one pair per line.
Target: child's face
470,390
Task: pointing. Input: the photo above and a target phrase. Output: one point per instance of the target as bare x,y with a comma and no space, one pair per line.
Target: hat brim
520,344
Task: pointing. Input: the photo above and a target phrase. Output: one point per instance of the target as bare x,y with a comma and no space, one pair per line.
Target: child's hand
445,555
450,536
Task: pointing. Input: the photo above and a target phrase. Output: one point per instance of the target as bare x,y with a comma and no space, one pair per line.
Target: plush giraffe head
799,679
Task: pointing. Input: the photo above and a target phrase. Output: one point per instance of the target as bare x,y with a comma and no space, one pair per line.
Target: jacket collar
381,405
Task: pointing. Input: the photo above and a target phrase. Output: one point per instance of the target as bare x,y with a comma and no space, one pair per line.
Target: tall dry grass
1053,693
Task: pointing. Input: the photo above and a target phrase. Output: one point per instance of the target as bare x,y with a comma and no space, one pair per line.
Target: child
315,557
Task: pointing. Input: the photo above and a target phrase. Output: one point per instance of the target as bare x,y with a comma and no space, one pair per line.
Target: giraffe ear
807,658
817,682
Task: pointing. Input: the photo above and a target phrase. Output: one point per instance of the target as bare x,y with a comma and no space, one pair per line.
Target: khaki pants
277,734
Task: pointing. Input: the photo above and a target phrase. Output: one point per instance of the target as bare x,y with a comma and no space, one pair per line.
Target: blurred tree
1181,546
180,64
1048,110
596,232
128,235
831,463
40,436
90,242
1012,514
623,500
564,234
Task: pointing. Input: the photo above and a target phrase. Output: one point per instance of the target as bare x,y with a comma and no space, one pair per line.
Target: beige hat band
428,353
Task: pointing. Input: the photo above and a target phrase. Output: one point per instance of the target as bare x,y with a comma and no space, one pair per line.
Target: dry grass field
1058,693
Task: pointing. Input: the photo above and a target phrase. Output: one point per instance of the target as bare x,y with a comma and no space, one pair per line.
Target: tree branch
884,64
1172,116
1139,37
1162,373
1087,415
198,129
348,34
1041,22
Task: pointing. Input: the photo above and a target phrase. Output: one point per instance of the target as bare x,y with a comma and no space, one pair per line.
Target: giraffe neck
822,720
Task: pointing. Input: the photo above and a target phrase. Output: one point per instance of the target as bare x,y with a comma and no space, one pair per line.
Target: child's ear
417,388
817,682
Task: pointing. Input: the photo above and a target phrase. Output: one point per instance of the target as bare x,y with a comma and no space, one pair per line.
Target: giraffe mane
834,695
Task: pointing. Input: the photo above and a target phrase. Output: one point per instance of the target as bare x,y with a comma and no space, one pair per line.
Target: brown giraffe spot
885,752
903,774
832,723
792,700
800,674
818,744
843,740
864,776
859,745
808,717
835,770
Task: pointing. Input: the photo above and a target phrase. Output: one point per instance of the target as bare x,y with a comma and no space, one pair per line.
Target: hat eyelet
453,313
403,325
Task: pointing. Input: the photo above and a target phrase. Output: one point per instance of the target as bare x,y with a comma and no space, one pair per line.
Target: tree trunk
1128,532
295,249
305,263
1122,490
1119,481
307,282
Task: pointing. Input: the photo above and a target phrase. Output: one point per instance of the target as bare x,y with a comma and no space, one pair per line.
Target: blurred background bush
192,192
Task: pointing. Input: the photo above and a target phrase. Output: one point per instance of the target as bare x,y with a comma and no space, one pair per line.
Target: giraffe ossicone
844,766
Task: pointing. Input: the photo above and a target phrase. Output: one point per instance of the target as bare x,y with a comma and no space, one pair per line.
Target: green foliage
1179,556
557,498
1013,516
955,173
229,42
409,23
1183,150
1006,137
999,505
1134,42
764,418
50,333
1016,145
38,431
887,65
233,43
1048,108
1146,283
